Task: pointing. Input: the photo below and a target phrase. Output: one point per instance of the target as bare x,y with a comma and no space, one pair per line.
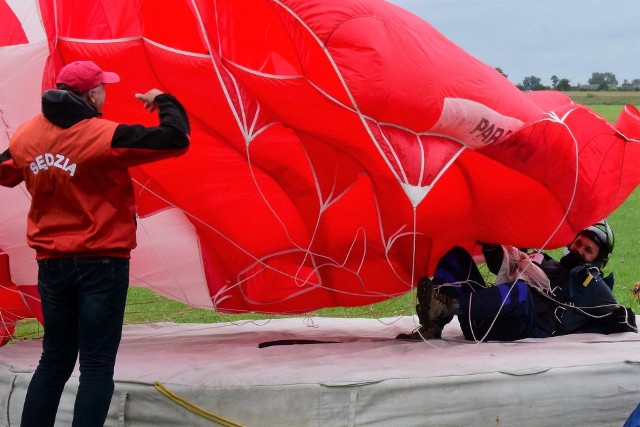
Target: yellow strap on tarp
193,407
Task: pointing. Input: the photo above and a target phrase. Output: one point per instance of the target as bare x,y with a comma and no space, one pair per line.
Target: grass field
605,98
145,306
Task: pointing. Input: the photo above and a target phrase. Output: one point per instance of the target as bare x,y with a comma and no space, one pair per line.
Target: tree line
597,81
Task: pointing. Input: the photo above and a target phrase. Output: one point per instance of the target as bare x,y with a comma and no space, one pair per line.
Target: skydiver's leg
456,274
59,344
504,312
103,294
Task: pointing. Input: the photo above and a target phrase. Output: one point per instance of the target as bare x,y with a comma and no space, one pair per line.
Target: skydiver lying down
534,296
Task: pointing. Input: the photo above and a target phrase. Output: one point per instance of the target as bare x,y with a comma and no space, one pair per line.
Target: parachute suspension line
6,326
584,310
192,407
250,135
243,110
271,76
495,318
555,118
422,163
416,194
552,117
414,243
216,67
460,283
559,119
5,124
403,180
469,314
246,129
482,285
446,167
323,205
55,20
502,304
174,277
198,220
194,218
332,99
388,242
281,222
254,122
210,227
340,77
413,251
217,19
395,156
302,291
363,118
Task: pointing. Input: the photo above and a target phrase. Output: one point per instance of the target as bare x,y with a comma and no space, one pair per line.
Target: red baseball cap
85,75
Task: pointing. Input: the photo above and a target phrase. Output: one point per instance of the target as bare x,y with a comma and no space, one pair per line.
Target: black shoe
433,305
425,332
434,311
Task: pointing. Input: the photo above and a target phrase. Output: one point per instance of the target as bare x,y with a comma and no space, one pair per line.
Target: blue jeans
83,302
634,418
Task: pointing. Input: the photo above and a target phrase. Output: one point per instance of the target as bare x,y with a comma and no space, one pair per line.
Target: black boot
434,311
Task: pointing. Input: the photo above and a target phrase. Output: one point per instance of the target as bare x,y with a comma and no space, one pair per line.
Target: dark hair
62,86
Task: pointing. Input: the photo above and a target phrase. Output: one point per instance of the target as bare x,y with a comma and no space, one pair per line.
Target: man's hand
149,99
626,318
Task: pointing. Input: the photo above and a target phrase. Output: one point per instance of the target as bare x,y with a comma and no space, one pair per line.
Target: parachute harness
520,272
193,407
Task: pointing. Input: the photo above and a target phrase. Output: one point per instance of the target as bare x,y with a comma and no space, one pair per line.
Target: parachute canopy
339,147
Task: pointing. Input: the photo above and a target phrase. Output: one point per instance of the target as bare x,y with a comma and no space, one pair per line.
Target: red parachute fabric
11,31
16,302
23,52
339,147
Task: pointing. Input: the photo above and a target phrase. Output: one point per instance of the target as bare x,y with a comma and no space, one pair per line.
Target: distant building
630,86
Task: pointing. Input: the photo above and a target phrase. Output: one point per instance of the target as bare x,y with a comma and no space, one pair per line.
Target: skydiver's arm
618,319
10,175
136,144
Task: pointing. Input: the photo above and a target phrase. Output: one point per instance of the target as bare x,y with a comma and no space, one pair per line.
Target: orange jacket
82,201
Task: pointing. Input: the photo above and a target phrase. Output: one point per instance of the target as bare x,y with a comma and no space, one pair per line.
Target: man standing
82,225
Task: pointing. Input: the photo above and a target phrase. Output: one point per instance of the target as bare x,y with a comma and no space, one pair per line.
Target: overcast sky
567,38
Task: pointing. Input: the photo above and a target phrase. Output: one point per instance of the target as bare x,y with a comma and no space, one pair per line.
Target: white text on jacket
48,160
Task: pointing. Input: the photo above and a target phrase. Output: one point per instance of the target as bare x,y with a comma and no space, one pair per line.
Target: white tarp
364,378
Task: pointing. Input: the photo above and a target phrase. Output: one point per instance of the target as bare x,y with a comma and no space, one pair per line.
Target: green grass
604,98
609,112
624,261
145,306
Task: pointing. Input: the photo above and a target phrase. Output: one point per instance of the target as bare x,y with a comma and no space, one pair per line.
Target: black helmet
602,234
